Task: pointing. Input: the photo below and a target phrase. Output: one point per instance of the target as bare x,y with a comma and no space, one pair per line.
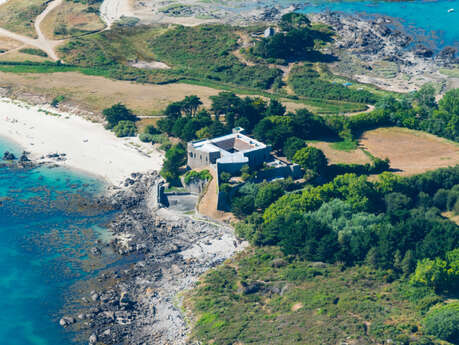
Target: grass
346,145
32,51
453,72
116,46
299,302
410,152
320,106
72,18
19,15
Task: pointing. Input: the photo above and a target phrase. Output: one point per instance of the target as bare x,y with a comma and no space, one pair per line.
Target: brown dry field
95,93
8,44
16,55
410,152
338,156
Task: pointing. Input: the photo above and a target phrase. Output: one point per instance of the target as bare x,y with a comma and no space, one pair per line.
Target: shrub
443,322
125,129
225,177
146,138
193,176
292,145
117,113
311,158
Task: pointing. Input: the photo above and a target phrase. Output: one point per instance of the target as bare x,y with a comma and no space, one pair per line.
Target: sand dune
88,146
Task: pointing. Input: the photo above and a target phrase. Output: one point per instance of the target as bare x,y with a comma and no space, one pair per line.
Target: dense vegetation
264,297
415,111
306,82
205,51
392,262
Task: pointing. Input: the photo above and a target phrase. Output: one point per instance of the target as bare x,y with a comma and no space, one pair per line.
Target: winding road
43,43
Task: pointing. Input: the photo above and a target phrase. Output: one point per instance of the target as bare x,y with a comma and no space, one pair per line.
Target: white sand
88,146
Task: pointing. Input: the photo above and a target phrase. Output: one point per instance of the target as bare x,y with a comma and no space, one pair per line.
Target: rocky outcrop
164,254
8,156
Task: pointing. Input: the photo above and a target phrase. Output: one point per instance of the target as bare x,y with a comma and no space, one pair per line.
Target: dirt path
48,46
208,203
112,10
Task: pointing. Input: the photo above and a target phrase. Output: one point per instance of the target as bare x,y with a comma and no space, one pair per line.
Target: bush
305,82
117,113
146,138
151,129
194,176
225,177
311,158
125,129
443,322
291,146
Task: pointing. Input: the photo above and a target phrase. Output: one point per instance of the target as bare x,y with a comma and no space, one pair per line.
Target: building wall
258,157
199,159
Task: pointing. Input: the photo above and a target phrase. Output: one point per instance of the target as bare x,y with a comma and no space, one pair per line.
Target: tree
190,105
311,158
396,201
173,111
267,194
450,102
443,322
217,129
425,97
116,113
243,205
175,159
228,104
292,145
275,108
442,275
294,20
303,236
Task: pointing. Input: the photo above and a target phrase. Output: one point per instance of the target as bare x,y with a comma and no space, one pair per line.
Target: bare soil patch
410,152
7,44
451,216
339,156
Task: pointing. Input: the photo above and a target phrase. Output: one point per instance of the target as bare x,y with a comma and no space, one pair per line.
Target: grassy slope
72,19
19,15
303,303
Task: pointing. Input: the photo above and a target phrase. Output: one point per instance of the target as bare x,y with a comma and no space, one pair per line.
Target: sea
434,23
46,230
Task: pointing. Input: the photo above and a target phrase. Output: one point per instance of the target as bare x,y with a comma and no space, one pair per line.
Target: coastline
81,144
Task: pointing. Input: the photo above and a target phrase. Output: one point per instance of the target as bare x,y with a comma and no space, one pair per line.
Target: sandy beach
87,145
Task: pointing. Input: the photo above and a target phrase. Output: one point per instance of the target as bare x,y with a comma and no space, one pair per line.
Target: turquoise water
427,19
44,233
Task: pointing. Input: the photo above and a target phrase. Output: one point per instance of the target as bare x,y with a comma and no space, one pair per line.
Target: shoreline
81,145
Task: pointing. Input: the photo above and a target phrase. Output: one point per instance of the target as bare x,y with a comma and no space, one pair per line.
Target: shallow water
428,20
45,231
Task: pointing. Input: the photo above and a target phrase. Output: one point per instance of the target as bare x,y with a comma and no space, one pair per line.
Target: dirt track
41,42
